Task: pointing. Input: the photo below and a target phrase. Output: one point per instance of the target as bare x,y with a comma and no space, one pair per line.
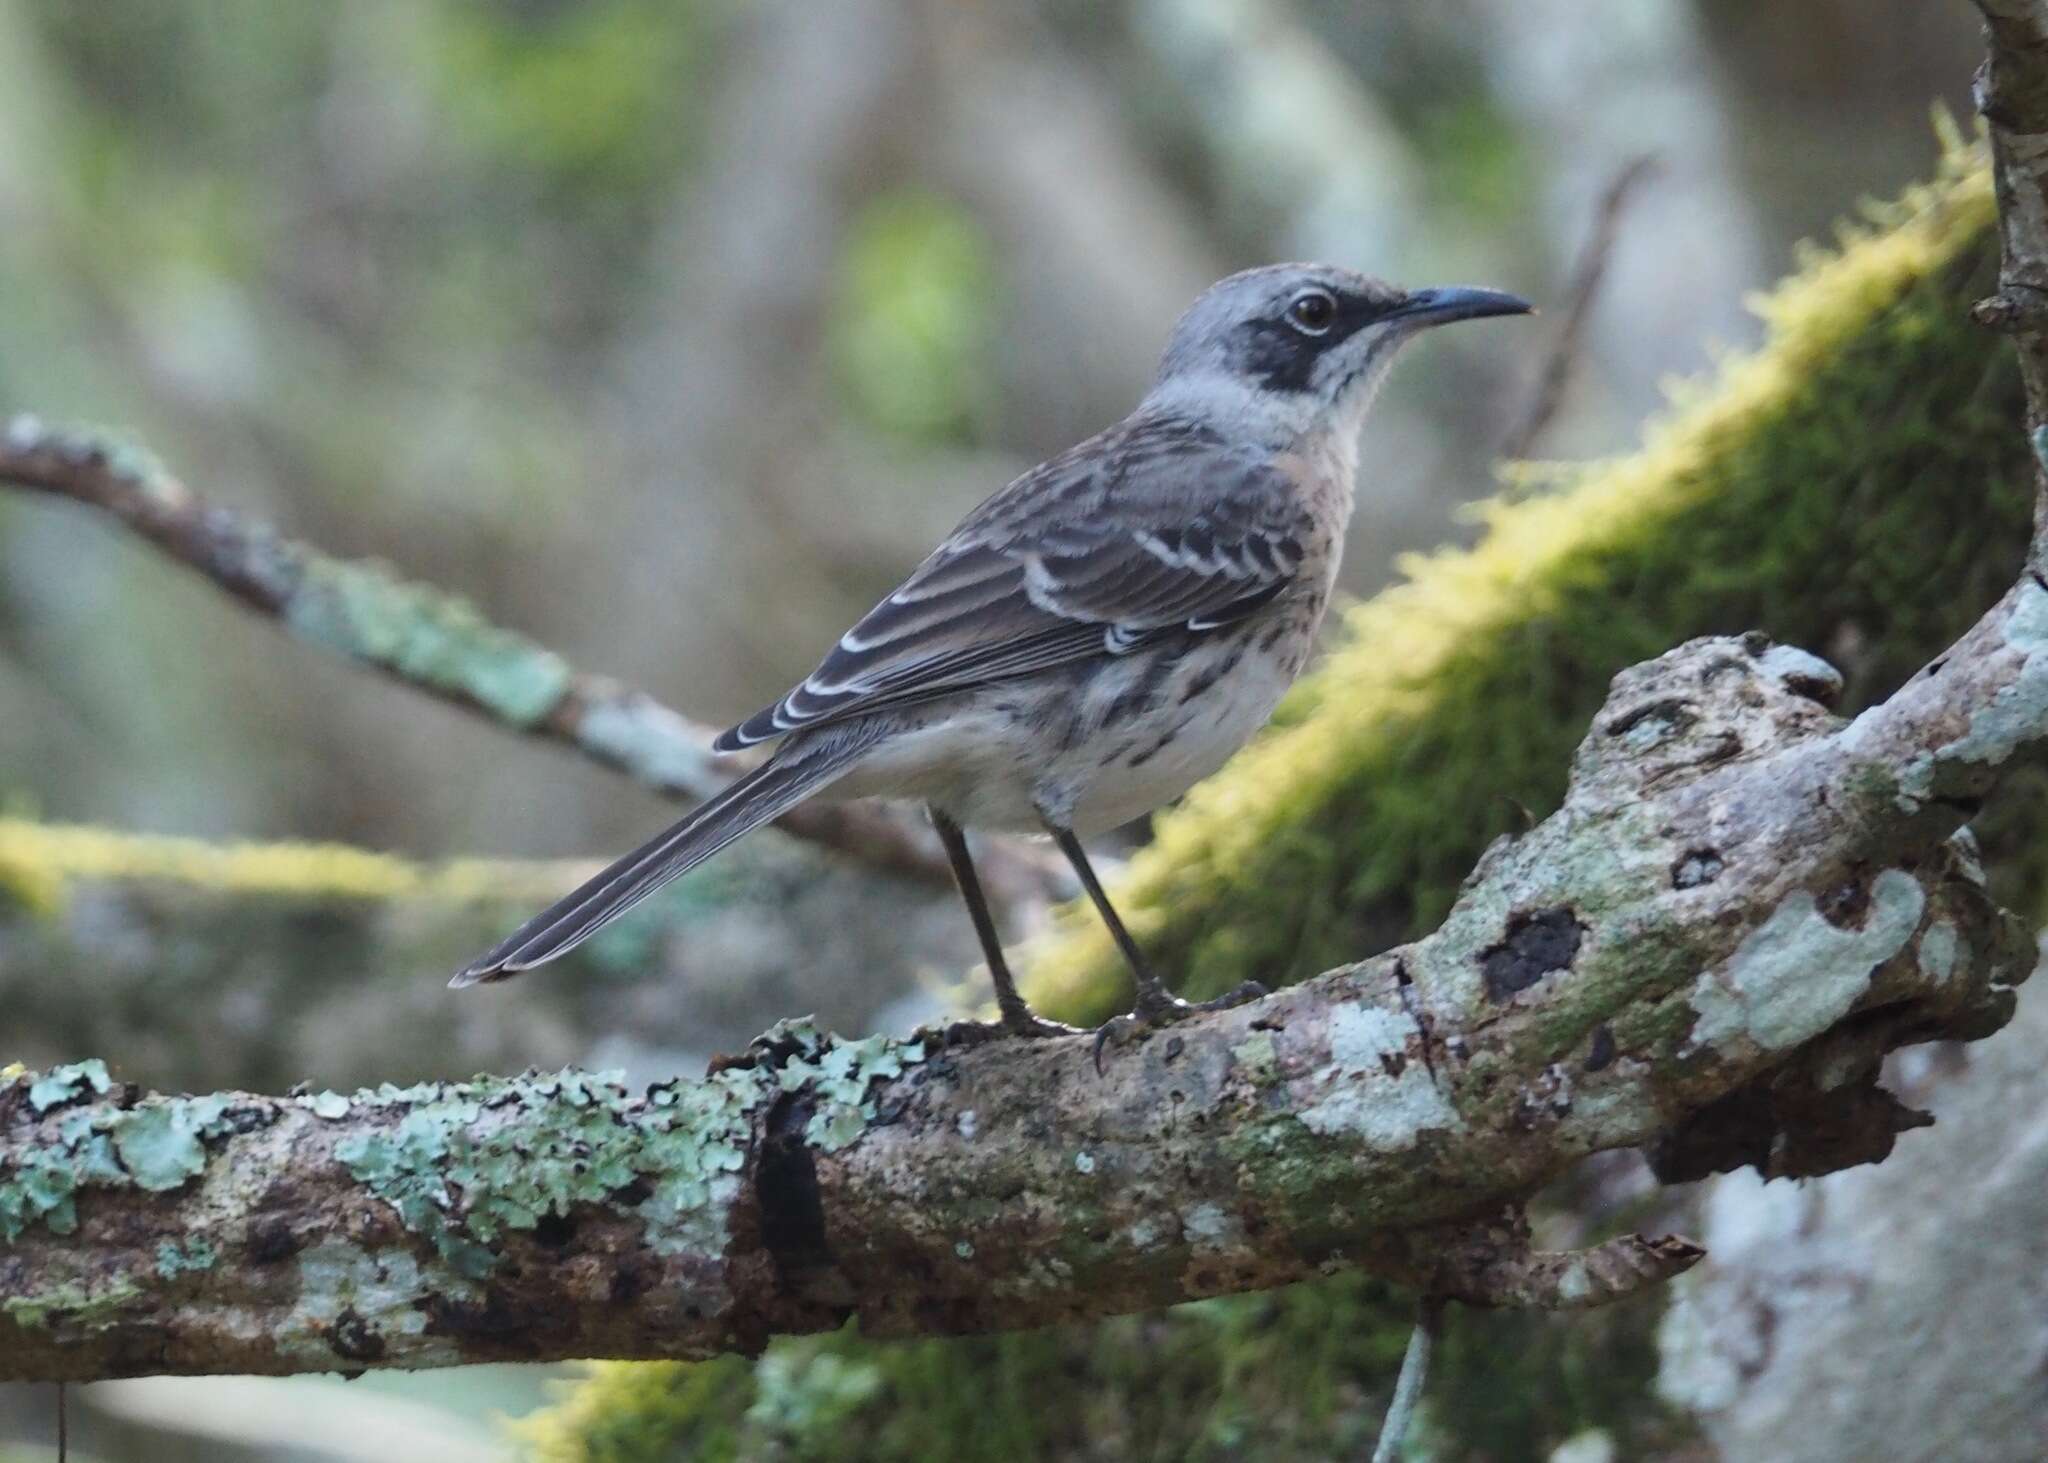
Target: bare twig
437,643
1587,272
1429,1320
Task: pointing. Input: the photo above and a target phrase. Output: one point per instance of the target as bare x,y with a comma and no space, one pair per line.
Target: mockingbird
1098,636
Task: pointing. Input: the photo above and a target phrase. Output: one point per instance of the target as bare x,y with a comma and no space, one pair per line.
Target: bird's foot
1024,1024
1158,1008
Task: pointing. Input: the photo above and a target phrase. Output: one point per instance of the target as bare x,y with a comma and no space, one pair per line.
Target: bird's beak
1457,302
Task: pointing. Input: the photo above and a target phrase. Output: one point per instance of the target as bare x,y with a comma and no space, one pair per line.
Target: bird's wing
1152,528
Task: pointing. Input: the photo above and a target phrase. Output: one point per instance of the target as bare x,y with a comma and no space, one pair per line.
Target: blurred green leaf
913,317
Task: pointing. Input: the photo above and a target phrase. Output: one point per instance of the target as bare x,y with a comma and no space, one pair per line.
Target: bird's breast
1154,732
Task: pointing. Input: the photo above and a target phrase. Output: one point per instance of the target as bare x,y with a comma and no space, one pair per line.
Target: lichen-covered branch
438,643
1740,899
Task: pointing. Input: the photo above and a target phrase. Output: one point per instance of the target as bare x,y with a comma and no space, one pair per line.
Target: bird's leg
1156,1005
1018,1018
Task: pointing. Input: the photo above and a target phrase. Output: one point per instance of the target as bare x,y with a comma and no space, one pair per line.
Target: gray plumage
1101,633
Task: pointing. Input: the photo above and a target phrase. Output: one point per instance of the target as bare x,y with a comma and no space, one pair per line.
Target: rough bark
2012,94
1740,898
1825,1329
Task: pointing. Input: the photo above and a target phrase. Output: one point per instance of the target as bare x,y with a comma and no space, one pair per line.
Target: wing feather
1154,528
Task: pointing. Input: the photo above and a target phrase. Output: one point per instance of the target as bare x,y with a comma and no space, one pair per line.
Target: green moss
1857,482
1856,486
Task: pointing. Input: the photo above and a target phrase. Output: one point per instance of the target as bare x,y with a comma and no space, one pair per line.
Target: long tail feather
763,794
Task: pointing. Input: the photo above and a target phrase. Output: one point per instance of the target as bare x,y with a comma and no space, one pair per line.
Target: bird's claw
1158,1008
958,1035
961,1035
1117,1029
1034,1027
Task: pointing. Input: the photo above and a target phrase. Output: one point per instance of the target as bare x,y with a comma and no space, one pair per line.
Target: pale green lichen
1797,974
2019,710
1207,1226
425,635
1801,671
157,1145
549,1144
519,1151
174,1259
1939,948
1372,1090
648,740
378,1293
837,1075
162,1143
330,1105
1915,782
1255,1055
39,1188
60,1085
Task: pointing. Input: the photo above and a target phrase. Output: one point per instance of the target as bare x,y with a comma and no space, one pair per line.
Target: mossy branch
1741,895
436,642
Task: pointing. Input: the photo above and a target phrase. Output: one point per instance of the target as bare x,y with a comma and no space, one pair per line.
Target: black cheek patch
1283,359
1279,358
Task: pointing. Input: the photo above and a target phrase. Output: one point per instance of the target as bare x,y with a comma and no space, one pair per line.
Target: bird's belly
1131,768
978,759
1091,750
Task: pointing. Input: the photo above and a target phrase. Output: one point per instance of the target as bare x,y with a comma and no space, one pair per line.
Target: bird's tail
763,794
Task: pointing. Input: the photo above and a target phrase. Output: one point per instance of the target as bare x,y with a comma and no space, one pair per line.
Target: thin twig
1587,272
435,642
1429,1320
63,1422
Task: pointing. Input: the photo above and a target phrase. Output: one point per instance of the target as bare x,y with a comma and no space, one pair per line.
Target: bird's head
1290,347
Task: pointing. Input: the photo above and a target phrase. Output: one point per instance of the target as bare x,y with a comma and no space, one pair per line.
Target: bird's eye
1312,312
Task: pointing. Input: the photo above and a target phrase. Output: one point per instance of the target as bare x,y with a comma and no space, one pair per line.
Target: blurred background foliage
674,332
